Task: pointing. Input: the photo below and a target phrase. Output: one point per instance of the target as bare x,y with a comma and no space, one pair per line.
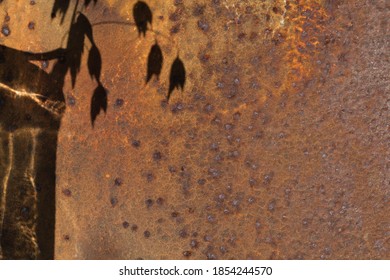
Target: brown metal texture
274,144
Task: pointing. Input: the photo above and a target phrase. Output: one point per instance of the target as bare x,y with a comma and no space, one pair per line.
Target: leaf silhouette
177,78
85,26
75,47
87,2
61,6
98,102
78,30
142,15
155,62
94,63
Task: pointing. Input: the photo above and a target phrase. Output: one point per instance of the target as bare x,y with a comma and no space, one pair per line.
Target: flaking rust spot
303,24
295,28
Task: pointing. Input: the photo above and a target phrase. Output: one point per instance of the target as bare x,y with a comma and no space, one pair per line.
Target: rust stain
307,22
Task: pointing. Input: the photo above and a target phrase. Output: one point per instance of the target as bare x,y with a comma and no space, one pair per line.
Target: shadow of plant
31,107
32,104
142,16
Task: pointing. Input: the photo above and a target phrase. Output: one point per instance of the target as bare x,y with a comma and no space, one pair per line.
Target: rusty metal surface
277,147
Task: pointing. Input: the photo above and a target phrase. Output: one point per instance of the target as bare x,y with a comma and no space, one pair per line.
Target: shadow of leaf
94,63
177,77
142,16
61,6
155,62
98,102
85,26
75,45
87,2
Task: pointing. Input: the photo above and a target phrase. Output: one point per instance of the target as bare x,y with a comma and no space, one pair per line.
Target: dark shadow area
30,114
61,7
155,62
177,77
142,16
94,63
32,104
87,2
98,103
